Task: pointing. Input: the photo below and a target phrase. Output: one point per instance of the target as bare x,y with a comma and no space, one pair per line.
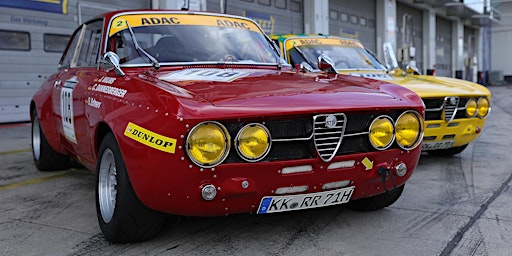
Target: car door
79,71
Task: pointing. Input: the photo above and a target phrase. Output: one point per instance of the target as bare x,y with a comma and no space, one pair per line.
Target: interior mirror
110,61
325,63
305,67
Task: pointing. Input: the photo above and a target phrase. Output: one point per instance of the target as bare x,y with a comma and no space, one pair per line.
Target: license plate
271,204
437,145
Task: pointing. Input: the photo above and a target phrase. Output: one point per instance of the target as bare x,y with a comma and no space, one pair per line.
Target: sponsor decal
149,138
155,19
195,74
373,76
66,109
93,102
266,22
114,91
290,43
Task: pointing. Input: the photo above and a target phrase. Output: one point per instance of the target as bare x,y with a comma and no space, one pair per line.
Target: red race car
193,113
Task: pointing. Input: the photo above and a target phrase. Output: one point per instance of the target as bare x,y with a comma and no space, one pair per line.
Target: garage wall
416,16
274,16
354,19
23,71
443,64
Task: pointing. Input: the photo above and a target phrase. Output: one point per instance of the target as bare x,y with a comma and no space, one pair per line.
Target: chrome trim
328,140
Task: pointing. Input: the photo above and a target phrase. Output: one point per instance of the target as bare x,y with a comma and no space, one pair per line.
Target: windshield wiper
140,50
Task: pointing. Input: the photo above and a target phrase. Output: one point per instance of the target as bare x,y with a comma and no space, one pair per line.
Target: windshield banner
171,19
292,42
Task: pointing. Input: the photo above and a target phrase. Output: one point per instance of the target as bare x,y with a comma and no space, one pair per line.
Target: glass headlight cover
253,142
409,130
208,144
471,108
382,132
483,107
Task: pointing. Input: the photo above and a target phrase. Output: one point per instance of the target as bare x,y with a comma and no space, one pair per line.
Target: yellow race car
455,109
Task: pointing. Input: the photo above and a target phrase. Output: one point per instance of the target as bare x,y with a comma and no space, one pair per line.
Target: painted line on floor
16,151
38,180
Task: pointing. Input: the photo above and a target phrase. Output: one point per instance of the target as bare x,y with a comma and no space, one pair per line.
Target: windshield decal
290,43
375,76
171,19
218,75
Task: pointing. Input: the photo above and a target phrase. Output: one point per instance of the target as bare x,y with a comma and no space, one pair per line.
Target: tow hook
383,172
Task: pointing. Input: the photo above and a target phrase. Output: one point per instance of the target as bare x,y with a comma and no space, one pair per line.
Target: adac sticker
149,138
290,43
174,19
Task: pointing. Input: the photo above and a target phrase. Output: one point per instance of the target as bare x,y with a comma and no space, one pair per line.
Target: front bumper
459,132
175,187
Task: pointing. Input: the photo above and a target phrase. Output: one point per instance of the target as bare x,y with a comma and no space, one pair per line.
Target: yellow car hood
427,86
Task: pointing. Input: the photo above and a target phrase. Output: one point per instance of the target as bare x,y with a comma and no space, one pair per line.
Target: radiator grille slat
450,108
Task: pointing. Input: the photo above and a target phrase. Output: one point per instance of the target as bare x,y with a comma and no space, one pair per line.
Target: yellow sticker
150,138
173,19
367,163
290,43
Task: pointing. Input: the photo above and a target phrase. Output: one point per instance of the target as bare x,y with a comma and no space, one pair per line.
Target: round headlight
483,107
253,142
409,130
471,108
382,132
208,144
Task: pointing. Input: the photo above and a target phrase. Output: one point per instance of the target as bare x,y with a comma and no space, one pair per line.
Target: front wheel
448,152
45,157
376,202
121,215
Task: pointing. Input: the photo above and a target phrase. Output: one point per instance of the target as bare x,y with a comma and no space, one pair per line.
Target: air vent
328,134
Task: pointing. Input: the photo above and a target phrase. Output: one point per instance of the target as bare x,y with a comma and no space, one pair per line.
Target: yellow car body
450,119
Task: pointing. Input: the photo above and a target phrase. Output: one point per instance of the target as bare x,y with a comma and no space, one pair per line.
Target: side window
89,50
67,56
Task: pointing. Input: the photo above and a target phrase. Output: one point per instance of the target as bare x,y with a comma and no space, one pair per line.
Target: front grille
447,109
309,137
329,130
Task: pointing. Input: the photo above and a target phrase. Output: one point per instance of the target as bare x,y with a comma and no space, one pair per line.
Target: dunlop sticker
150,138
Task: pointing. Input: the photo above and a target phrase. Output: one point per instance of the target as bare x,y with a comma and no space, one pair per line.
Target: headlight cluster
208,143
478,107
407,131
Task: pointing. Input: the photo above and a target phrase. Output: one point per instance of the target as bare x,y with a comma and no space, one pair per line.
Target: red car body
151,111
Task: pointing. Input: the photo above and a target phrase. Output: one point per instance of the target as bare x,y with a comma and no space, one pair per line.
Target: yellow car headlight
208,144
382,132
471,107
409,130
253,142
483,107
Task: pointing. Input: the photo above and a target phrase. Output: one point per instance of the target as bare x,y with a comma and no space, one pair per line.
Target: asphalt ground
450,206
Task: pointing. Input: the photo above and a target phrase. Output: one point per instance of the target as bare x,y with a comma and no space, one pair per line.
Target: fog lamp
409,130
483,107
253,142
381,132
208,144
471,107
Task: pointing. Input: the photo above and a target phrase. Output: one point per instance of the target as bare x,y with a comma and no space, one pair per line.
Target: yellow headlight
409,130
208,144
253,142
471,108
382,132
483,107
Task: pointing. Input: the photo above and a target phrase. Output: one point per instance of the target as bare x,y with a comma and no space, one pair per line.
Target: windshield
190,38
346,54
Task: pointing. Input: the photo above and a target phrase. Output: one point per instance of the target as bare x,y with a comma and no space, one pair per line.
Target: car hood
279,91
428,86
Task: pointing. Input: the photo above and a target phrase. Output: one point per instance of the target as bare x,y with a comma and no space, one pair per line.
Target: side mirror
110,61
325,63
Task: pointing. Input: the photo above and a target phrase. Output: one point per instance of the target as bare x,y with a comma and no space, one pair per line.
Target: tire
376,202
449,152
45,158
121,215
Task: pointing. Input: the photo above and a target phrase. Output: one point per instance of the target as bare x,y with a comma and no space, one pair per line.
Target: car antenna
139,49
